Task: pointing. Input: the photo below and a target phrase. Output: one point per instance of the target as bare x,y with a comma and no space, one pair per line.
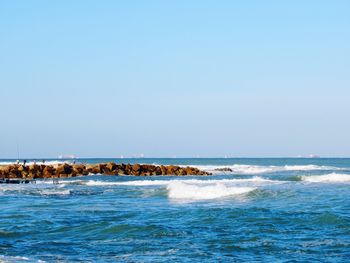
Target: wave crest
327,178
182,190
255,179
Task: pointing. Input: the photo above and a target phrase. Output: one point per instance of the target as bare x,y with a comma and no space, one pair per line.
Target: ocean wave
327,178
49,192
259,169
167,182
34,189
183,190
13,259
310,167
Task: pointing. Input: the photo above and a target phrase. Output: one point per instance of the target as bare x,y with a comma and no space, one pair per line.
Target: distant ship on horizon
68,156
309,156
314,156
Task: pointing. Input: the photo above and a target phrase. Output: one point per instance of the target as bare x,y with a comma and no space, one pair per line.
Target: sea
258,210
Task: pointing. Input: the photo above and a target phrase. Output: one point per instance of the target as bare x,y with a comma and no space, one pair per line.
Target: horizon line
182,157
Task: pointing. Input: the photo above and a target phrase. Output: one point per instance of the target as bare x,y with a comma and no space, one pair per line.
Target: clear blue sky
165,78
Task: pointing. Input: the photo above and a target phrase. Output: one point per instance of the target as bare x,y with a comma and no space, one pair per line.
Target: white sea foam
9,259
259,169
20,187
327,178
183,190
310,167
46,192
36,189
167,182
13,259
196,189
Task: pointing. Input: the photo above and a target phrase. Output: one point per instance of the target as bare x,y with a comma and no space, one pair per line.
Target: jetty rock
224,169
66,170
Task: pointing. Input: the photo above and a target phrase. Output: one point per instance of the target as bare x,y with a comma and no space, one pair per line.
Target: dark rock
48,172
71,170
64,169
224,169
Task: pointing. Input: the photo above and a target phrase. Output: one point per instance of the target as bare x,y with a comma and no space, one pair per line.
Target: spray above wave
327,178
182,190
259,169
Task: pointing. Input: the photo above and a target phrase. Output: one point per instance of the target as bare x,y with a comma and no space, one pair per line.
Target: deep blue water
270,210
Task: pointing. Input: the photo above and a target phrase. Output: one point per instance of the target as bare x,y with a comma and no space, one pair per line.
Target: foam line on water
47,192
11,259
167,182
183,190
327,178
37,189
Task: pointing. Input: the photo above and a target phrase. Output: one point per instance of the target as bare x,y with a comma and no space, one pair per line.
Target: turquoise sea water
270,210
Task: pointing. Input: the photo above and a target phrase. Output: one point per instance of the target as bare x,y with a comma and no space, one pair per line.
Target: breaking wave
327,178
195,189
167,182
183,190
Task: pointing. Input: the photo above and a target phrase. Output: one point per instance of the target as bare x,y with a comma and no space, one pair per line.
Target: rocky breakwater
65,170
